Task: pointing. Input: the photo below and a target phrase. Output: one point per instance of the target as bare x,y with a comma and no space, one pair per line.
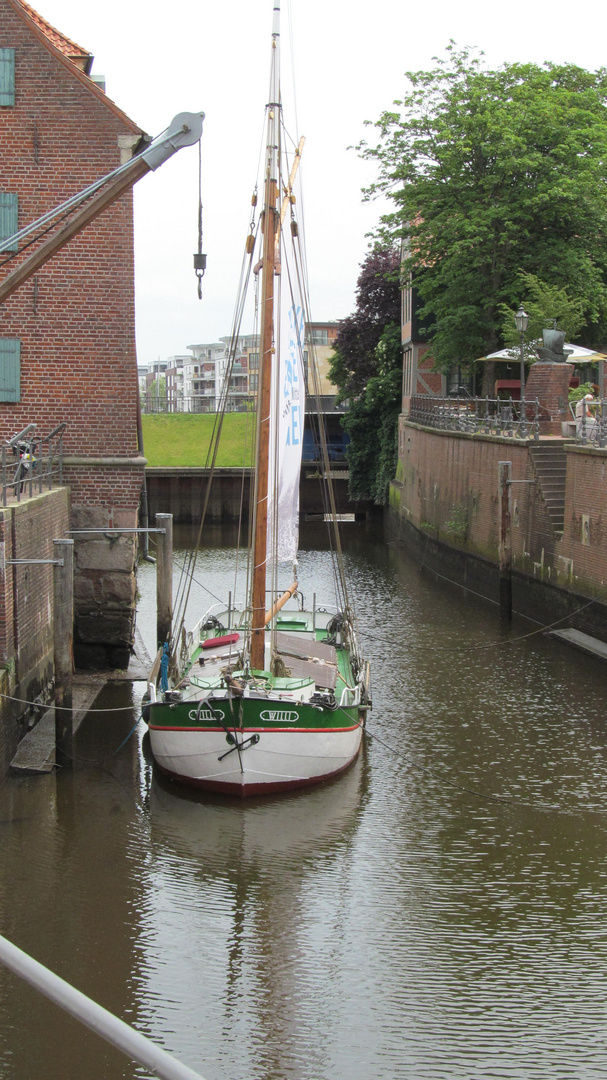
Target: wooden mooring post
63,638
164,579
505,544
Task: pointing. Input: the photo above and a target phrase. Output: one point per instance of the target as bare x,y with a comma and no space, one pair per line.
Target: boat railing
194,633
231,611
132,1043
349,696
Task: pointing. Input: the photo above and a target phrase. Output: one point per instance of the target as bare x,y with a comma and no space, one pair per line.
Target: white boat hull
280,761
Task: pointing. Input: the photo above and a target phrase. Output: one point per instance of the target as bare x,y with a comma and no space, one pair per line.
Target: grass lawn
183,439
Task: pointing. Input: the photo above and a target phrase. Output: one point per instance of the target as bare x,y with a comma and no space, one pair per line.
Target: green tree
544,304
367,369
494,175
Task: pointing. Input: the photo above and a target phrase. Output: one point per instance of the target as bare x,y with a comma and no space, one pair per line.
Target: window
9,218
319,337
10,369
408,372
7,77
253,382
253,361
406,302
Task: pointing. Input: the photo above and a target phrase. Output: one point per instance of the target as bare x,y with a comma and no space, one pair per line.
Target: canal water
437,913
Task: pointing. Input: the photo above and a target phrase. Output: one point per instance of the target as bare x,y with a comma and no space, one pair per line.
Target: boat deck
310,662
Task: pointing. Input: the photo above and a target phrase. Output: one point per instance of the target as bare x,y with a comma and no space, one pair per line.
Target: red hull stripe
245,731
252,789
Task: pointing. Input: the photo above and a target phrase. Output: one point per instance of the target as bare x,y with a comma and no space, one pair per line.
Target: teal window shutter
9,219
10,369
7,76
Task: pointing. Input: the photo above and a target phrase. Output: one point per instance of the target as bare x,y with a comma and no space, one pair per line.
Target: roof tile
59,40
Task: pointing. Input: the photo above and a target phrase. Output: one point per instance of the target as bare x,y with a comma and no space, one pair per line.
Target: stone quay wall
105,496
181,492
27,531
444,509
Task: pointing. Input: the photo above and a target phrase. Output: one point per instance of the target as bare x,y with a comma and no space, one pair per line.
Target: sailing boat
271,697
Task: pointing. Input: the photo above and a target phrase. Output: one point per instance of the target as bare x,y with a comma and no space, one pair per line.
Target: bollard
63,639
505,544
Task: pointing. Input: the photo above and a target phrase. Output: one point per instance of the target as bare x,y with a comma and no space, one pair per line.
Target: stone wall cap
105,462
588,448
196,470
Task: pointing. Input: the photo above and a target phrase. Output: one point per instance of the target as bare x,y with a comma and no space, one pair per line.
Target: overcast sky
349,59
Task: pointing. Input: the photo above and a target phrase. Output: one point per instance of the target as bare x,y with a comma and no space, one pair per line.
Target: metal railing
478,416
132,1043
591,422
30,464
238,401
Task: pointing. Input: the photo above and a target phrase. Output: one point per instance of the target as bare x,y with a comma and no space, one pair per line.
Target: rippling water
437,912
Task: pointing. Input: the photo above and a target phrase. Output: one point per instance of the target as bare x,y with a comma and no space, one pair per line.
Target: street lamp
522,321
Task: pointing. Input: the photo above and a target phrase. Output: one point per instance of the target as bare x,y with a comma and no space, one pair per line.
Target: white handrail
115,1031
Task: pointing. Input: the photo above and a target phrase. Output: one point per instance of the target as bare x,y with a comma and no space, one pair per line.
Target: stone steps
550,465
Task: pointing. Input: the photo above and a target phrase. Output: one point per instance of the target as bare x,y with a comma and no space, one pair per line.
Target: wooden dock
36,751
584,642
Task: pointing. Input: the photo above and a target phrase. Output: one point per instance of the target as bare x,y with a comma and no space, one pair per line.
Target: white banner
286,438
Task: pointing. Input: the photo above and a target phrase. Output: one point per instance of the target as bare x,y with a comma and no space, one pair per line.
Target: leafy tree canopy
545,305
377,305
367,369
494,175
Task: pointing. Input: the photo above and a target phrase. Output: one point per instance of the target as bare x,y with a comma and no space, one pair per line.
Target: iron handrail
94,1016
26,471
591,425
478,416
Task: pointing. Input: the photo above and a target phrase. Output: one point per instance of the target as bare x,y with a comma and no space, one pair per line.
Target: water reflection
260,915
399,922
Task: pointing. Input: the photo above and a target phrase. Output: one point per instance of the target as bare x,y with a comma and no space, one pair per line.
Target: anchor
244,745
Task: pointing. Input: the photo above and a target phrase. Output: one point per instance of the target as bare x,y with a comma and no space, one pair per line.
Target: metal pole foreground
98,1019
63,631
505,544
164,579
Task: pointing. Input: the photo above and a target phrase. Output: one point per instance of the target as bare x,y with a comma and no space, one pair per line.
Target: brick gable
75,318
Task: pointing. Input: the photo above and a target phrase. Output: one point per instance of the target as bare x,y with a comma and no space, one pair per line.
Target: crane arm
184,130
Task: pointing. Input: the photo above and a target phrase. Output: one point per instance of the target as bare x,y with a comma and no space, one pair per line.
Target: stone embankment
444,509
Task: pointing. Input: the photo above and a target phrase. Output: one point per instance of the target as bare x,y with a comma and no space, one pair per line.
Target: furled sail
286,436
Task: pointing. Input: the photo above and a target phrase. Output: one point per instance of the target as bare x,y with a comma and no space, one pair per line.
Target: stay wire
495,644
327,488
102,761
184,589
38,705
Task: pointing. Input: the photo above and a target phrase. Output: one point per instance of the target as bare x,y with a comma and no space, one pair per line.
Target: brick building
67,336
418,376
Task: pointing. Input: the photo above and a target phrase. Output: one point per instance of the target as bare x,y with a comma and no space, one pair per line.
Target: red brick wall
447,487
27,531
450,486
76,319
585,537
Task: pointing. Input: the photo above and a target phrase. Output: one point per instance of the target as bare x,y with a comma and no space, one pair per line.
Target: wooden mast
270,226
